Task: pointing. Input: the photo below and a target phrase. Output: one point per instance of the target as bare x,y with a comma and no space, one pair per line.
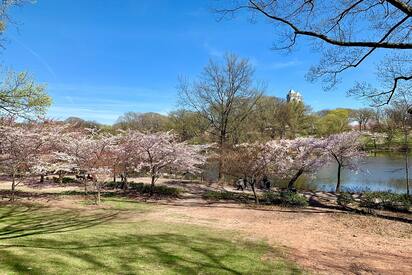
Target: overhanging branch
329,40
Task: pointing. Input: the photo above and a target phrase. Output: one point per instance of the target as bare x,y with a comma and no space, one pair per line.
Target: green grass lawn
40,240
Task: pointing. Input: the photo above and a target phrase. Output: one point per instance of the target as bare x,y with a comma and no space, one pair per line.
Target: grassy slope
37,240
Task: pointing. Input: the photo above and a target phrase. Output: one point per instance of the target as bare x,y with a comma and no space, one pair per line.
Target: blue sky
101,58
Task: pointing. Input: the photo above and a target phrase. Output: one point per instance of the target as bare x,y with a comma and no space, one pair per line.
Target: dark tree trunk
85,185
124,182
252,185
407,171
294,179
406,162
338,183
60,177
41,178
13,187
153,179
222,141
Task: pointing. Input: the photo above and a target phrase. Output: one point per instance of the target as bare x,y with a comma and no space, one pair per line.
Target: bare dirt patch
322,241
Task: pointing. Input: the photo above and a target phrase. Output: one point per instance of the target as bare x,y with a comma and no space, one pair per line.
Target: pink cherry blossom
346,150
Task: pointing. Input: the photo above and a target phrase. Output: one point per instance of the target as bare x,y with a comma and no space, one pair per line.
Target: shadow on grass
147,253
6,194
25,220
95,243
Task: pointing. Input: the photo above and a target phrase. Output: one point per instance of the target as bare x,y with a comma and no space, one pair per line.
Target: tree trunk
60,177
406,163
152,185
85,186
114,177
13,187
294,179
252,185
97,184
124,182
42,178
220,165
338,183
222,140
407,171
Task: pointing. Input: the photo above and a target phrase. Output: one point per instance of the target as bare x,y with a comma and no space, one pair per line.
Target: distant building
294,96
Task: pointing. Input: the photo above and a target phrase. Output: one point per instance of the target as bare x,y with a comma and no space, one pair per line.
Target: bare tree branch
407,9
325,38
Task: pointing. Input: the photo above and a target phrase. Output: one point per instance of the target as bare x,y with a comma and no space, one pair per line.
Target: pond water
378,172
383,171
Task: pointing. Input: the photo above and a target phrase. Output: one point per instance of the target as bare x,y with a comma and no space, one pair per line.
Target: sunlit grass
119,204
40,240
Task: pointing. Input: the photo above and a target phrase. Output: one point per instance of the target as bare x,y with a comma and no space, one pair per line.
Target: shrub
271,198
344,199
225,195
289,199
385,200
111,185
158,189
142,188
286,198
138,186
65,180
72,193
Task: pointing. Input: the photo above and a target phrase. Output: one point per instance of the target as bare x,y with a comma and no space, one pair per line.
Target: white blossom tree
20,147
251,162
125,159
154,153
287,159
59,163
302,156
90,153
346,150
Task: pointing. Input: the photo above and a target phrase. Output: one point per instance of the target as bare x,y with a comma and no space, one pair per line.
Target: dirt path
322,241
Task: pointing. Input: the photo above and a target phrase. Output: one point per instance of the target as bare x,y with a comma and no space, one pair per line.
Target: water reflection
383,171
379,172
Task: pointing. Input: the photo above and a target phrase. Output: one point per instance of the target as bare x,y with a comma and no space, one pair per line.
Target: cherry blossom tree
52,159
20,147
250,162
302,156
157,152
91,153
125,158
59,163
287,159
346,150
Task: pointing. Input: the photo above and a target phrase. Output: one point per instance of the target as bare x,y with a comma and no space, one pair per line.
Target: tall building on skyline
294,96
